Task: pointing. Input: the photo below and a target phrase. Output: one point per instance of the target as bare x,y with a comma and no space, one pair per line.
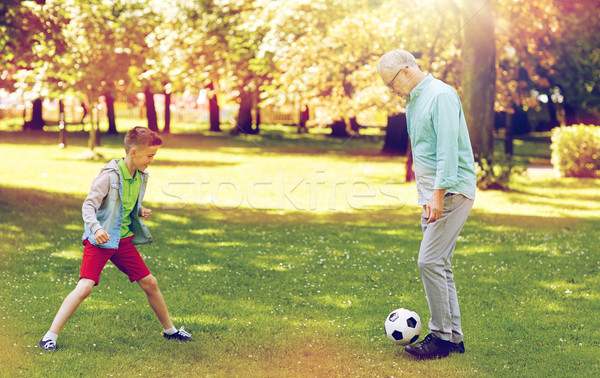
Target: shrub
576,150
496,176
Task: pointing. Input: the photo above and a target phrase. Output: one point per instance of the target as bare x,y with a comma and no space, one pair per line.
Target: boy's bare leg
82,290
155,298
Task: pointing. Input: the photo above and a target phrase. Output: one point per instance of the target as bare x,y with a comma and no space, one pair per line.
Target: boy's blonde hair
141,137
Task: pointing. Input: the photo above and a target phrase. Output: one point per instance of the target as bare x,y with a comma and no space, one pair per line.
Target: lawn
282,255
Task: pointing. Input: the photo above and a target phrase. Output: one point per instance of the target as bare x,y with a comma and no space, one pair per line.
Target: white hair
394,60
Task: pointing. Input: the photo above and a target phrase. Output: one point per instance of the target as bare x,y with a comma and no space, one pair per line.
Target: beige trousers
435,258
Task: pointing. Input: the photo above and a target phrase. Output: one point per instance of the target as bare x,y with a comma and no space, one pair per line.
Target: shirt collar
124,170
416,91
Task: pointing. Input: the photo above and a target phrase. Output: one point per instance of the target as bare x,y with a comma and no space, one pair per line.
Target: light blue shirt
441,148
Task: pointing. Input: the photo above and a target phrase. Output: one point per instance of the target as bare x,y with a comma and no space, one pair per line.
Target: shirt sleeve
446,115
94,199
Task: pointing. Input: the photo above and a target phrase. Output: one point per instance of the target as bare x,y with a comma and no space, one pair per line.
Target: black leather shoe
431,347
457,347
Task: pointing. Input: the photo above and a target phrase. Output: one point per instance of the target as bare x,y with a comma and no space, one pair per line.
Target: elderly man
445,176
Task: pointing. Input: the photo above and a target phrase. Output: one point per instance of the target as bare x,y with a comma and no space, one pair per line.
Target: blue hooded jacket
103,208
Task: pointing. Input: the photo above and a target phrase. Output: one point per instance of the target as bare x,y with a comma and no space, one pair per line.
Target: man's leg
457,334
435,257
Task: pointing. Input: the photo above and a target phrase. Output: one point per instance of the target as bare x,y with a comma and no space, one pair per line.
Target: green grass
282,255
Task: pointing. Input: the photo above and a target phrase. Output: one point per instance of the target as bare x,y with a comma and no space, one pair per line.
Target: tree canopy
322,53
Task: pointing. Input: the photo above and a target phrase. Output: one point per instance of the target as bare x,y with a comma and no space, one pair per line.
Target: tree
246,70
316,31
479,75
203,46
213,108
30,41
576,73
340,53
163,54
548,51
104,38
222,39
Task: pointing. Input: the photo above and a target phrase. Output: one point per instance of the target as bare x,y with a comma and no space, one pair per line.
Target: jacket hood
113,166
110,166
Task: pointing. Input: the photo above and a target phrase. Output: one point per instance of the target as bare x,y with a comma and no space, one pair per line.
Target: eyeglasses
394,78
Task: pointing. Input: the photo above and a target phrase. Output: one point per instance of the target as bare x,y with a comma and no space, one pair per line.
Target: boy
111,213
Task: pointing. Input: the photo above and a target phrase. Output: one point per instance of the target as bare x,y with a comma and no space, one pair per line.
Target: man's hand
145,213
435,206
101,236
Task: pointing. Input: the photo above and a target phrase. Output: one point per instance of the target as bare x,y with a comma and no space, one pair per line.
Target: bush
496,176
576,150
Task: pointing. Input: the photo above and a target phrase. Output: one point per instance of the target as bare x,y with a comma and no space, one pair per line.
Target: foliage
318,52
549,48
30,38
162,53
221,42
576,74
576,150
107,42
337,69
496,176
525,52
30,31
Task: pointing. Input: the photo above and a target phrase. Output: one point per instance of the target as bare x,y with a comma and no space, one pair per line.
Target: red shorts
126,258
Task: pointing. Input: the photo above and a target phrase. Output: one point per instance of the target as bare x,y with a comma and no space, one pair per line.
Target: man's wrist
440,193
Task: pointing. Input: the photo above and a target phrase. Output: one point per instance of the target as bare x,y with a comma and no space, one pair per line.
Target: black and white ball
403,326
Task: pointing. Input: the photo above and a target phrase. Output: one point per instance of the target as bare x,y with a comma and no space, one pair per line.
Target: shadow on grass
301,285
306,144
31,210
192,163
165,162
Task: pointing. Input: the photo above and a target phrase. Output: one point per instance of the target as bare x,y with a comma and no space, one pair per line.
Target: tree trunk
85,112
304,116
62,128
410,173
24,113
570,114
339,129
94,139
37,119
354,126
479,75
520,122
552,113
244,118
110,114
151,110
508,137
167,128
396,135
257,117
213,109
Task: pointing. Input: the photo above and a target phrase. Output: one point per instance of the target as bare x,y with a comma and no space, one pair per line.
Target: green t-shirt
131,191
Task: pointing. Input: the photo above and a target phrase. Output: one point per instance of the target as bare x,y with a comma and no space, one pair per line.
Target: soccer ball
403,326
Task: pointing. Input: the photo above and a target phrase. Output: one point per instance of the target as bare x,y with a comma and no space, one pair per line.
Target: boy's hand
101,236
145,213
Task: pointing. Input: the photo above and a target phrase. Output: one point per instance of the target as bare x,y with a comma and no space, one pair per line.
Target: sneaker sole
428,357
